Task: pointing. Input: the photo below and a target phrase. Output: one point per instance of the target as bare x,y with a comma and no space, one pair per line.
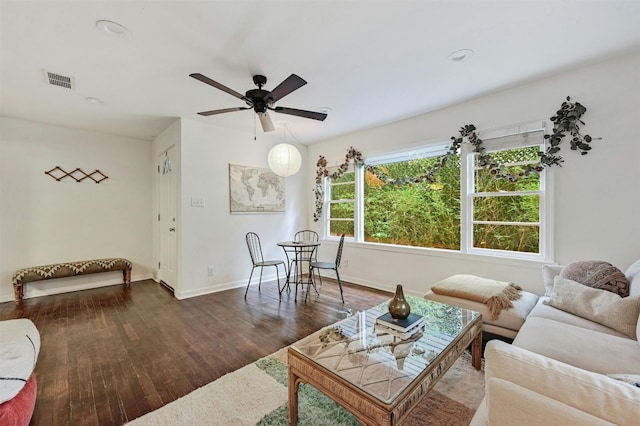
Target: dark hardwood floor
112,354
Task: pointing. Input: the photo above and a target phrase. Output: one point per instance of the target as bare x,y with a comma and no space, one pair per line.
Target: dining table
298,252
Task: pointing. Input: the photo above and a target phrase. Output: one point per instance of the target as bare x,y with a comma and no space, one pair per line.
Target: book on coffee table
404,335
401,325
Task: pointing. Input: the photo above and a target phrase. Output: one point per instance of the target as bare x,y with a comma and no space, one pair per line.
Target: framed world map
255,190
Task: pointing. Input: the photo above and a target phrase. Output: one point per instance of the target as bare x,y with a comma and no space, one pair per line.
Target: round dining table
302,252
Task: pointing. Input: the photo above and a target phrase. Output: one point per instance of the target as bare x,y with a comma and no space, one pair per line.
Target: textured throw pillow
632,379
597,274
549,272
603,307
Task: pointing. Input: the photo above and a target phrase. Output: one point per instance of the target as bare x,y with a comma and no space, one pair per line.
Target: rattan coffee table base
367,409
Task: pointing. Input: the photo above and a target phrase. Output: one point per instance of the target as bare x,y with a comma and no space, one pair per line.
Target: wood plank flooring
112,354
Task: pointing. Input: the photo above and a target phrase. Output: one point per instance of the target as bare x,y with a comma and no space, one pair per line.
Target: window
340,204
467,208
505,214
417,214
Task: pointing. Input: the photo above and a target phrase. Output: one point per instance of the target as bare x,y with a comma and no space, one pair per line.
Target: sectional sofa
564,368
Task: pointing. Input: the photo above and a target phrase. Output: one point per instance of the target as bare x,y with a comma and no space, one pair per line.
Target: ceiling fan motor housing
258,98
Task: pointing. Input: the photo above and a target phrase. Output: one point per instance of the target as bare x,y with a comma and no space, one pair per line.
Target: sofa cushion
593,394
591,350
517,405
543,310
597,305
597,274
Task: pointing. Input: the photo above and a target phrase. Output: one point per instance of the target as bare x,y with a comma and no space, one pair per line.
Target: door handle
172,229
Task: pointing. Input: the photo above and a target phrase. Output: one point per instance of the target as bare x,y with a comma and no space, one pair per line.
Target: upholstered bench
69,269
506,323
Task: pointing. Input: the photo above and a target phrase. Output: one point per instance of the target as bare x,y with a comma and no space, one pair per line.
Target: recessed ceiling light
95,101
324,110
461,55
113,29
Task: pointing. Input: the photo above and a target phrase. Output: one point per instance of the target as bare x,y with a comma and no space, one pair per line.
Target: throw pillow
597,274
632,379
549,272
603,307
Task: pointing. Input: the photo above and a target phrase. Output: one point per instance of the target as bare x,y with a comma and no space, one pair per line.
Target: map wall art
255,190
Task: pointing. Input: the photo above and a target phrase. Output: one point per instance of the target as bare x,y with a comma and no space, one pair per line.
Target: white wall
597,196
211,235
44,221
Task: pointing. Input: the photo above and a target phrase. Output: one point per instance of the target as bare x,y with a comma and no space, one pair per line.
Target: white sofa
557,370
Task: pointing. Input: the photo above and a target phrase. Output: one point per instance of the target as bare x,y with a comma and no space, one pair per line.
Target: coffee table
376,376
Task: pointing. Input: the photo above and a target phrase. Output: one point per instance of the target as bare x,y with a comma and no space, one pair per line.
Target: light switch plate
197,201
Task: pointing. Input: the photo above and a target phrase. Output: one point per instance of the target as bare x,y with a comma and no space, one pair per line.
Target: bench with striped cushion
69,269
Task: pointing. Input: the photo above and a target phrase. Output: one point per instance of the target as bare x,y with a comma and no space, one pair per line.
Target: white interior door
167,225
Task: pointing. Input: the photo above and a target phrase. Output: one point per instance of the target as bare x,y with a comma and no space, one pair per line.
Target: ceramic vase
399,307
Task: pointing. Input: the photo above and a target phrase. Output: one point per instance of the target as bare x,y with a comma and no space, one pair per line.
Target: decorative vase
399,307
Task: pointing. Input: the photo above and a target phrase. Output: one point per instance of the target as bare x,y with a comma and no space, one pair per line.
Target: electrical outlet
197,201
210,271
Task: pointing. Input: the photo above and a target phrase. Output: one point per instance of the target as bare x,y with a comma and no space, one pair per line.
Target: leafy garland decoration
565,121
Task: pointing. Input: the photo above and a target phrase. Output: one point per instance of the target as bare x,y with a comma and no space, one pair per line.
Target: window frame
468,193
327,185
435,149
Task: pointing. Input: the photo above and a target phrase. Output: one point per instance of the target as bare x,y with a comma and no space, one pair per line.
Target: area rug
257,395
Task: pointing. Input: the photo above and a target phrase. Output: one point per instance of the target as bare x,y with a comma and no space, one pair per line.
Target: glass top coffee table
378,377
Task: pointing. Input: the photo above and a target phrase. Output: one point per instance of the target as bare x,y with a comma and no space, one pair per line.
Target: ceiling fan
261,101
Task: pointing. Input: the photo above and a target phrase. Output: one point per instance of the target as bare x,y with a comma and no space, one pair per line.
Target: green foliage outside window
342,188
427,214
423,214
511,208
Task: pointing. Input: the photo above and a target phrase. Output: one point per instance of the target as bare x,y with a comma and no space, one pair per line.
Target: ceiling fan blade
301,113
221,111
291,83
265,120
217,85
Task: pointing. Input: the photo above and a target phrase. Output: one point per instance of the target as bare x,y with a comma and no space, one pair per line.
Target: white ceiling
371,62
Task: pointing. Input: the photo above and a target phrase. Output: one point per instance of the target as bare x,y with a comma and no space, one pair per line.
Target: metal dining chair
304,255
307,235
255,250
301,255
313,265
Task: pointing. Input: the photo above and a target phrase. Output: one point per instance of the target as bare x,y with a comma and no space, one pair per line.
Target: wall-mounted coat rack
78,174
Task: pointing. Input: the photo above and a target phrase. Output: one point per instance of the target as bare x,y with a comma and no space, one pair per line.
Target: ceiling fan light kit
262,101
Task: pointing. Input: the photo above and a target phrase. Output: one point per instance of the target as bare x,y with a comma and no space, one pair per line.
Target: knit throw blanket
497,295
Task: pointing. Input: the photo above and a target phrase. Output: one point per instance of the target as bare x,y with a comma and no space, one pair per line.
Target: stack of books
402,328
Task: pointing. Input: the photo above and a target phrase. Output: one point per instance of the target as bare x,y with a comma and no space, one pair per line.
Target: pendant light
284,159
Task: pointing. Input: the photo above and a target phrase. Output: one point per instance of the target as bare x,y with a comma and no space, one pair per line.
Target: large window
468,208
418,214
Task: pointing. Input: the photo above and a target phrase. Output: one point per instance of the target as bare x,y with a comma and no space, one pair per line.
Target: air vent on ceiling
60,80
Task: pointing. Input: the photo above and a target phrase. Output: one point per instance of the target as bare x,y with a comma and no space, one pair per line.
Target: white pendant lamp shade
284,160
